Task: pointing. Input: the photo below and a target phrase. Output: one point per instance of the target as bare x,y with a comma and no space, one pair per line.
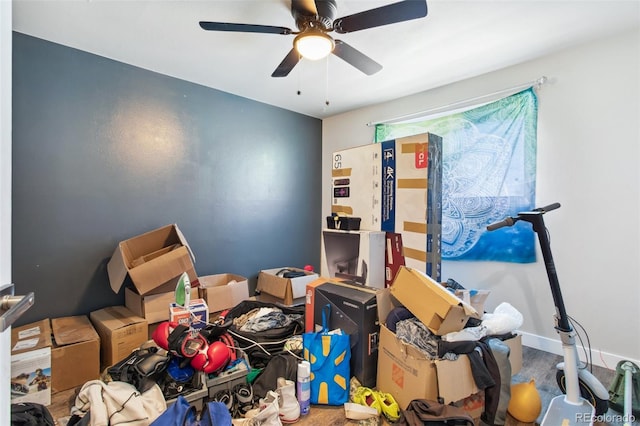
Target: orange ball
525,404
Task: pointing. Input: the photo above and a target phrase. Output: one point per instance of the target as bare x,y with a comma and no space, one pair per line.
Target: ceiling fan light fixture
314,45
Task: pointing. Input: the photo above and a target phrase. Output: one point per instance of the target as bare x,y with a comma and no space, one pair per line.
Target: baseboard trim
599,357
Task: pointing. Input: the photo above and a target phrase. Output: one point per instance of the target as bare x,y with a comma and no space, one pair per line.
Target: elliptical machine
584,396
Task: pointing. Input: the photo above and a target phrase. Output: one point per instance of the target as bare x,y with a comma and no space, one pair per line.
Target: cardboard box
36,335
223,291
197,316
395,186
437,308
408,373
75,355
394,257
152,260
353,255
31,363
120,331
309,304
285,291
153,307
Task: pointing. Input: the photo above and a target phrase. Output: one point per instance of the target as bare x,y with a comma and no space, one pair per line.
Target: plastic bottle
303,388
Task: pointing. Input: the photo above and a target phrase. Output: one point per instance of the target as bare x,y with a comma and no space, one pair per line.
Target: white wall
588,160
5,196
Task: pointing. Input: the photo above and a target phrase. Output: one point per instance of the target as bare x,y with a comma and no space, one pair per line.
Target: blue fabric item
397,314
329,355
180,413
215,413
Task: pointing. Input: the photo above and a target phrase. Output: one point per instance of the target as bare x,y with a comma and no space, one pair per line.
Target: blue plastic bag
329,354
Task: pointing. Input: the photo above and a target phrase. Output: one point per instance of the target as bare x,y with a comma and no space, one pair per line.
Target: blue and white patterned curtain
489,172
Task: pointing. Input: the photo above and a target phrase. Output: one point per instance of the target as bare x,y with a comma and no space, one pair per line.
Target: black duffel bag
260,345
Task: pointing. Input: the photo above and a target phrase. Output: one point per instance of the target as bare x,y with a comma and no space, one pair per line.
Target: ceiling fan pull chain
326,87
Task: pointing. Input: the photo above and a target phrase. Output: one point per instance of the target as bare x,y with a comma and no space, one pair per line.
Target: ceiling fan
315,19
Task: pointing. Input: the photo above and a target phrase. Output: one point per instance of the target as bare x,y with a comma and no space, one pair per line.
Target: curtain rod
537,83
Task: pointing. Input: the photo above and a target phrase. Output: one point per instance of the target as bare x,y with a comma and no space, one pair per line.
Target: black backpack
280,365
30,414
260,347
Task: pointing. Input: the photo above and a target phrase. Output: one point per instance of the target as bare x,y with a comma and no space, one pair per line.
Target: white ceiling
457,40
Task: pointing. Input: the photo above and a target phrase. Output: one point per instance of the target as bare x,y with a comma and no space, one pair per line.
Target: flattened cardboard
441,311
223,291
284,290
151,260
120,331
75,356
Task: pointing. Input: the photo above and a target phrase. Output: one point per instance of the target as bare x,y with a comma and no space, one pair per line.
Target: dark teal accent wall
103,151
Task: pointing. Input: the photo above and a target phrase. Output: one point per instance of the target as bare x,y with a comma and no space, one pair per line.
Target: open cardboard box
285,291
440,310
75,355
223,291
152,260
409,374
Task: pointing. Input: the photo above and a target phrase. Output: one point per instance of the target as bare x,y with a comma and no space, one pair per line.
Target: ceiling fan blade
384,15
244,28
356,58
304,7
287,64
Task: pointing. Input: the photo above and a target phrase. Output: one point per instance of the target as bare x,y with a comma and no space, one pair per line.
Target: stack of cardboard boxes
58,354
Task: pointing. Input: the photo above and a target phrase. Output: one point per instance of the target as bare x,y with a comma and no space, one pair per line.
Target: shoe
289,407
365,396
389,406
267,414
269,411
353,411
243,394
225,397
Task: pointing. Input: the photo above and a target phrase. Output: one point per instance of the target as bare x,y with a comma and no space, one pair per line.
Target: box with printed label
223,291
153,307
395,186
153,260
394,257
274,285
353,255
196,317
120,331
31,363
409,373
